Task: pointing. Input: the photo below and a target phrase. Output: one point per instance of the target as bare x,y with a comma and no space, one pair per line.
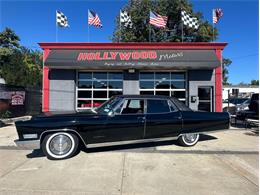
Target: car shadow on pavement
35,154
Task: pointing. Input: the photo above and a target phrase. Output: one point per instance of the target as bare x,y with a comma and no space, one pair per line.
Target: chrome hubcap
190,138
60,145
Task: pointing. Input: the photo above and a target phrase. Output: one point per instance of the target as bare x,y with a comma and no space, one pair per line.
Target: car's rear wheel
60,145
189,139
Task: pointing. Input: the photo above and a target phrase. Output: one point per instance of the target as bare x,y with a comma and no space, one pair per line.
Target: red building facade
78,76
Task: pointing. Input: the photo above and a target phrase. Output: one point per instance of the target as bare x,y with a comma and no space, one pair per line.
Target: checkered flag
61,19
192,22
125,19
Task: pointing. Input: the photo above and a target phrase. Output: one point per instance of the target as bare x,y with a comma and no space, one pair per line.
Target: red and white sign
123,56
17,98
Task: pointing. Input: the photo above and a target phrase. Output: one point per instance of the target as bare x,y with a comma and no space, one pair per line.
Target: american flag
93,19
158,20
217,13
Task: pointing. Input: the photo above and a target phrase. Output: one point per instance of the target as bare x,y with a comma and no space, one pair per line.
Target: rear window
157,106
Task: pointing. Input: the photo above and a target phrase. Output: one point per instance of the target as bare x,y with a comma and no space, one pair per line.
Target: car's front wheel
189,139
60,145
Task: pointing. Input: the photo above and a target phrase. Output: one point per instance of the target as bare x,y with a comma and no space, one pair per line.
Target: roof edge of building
133,45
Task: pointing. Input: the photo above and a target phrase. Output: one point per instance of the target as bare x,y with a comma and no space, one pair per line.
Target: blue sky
34,21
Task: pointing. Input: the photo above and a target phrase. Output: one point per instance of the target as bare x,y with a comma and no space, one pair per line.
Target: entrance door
205,98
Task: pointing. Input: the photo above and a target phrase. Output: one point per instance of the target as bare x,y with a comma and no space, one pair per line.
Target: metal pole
213,33
149,32
120,33
56,26
228,98
213,26
88,26
182,32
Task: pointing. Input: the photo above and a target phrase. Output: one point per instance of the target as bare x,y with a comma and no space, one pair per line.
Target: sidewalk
7,135
224,162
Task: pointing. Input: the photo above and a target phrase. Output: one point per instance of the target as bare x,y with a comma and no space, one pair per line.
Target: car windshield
240,101
107,106
247,101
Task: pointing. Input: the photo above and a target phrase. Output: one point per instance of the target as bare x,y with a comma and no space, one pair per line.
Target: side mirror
111,113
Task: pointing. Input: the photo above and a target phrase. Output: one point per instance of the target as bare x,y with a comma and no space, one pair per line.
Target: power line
246,56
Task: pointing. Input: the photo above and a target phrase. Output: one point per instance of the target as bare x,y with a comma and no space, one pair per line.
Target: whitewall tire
189,139
60,145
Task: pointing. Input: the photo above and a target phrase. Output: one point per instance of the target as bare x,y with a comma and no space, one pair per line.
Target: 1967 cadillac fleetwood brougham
123,119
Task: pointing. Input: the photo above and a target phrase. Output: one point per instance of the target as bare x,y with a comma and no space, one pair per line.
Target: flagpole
149,27
149,32
213,26
56,26
182,32
88,25
120,33
213,32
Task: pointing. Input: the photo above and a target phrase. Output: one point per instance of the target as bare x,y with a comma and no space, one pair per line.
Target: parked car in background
243,106
230,105
122,119
253,111
226,103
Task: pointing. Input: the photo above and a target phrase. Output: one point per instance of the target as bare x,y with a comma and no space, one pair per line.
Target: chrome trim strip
131,142
30,136
28,144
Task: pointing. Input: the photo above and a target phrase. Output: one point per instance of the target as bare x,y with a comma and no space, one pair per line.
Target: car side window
133,106
157,106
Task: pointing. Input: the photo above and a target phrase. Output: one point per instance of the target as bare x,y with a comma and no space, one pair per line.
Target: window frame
92,89
144,112
169,101
171,80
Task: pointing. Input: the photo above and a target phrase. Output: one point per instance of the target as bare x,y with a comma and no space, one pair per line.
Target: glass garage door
94,88
164,83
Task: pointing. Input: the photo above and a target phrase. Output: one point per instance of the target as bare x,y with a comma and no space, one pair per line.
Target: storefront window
100,84
85,84
163,83
146,84
94,88
115,84
146,76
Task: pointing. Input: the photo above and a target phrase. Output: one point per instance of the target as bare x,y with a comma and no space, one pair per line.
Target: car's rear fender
205,121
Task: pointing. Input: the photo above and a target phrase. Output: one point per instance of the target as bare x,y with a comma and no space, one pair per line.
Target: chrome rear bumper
28,144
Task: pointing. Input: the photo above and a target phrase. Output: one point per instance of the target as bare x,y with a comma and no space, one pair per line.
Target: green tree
18,65
225,64
254,82
8,39
139,11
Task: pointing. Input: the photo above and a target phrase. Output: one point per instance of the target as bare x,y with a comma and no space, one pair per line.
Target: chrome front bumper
28,144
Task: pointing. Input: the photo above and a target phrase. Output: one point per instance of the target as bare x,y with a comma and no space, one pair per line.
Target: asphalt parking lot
221,163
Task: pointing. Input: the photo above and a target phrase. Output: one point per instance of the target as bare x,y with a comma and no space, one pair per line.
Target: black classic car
122,119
